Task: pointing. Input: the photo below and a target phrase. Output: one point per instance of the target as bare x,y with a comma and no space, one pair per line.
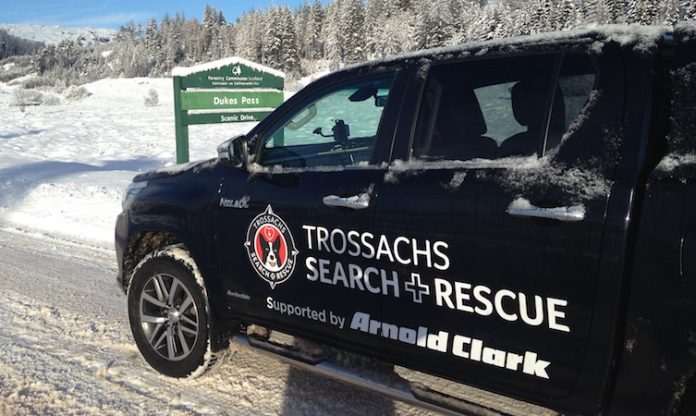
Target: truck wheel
169,314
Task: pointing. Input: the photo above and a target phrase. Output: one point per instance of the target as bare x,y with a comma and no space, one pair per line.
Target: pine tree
395,34
546,17
314,44
590,11
616,11
633,11
463,13
671,12
301,20
568,16
209,26
272,41
151,36
290,59
334,35
434,26
376,15
690,10
221,40
648,12
353,18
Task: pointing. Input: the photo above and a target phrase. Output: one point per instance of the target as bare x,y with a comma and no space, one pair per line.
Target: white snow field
65,341
63,167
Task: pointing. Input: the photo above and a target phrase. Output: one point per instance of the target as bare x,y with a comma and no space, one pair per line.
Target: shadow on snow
18,181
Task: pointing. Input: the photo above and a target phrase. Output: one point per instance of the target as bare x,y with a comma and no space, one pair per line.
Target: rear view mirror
363,94
380,100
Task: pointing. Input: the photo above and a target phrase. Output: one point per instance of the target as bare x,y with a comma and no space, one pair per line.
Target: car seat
529,100
460,127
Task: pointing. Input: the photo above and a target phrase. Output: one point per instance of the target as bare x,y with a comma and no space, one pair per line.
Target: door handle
360,201
521,207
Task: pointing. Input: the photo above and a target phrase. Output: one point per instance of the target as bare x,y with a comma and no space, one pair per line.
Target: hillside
55,34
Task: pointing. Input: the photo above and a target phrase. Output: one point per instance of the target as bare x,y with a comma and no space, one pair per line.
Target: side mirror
235,151
380,100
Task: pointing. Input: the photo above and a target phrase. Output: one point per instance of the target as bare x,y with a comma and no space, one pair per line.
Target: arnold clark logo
271,248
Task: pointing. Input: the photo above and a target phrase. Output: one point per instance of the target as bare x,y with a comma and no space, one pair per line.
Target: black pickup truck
517,215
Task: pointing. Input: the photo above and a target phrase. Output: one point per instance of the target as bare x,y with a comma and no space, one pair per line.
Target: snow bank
63,168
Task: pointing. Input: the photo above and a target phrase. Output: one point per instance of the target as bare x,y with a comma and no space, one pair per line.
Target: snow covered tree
568,16
272,42
633,11
376,13
314,43
670,14
590,11
152,37
616,11
11,45
353,18
333,34
209,26
249,36
434,25
392,35
316,36
301,19
690,10
648,12
290,58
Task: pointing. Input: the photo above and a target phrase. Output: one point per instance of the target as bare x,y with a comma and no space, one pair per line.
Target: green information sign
204,100
240,91
212,118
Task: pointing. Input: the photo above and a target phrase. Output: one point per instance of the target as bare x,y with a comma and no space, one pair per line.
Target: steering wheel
285,157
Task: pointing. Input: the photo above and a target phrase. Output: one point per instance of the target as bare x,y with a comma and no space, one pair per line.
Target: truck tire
169,314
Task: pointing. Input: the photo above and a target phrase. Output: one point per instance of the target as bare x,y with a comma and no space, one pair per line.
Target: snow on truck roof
639,37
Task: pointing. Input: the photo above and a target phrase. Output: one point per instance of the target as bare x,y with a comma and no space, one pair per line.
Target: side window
500,107
576,81
338,129
496,105
484,109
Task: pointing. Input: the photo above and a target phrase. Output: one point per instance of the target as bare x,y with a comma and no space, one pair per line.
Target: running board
413,393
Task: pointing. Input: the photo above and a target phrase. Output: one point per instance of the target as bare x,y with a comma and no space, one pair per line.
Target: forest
318,37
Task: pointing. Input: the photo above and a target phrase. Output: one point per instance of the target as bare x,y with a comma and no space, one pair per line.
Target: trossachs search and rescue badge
271,248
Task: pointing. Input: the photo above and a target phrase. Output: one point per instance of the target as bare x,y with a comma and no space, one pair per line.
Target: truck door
496,221
296,255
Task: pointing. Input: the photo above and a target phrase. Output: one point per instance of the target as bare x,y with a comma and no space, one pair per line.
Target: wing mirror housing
234,151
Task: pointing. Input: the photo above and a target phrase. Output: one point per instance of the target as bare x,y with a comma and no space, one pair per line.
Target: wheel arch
149,239
140,244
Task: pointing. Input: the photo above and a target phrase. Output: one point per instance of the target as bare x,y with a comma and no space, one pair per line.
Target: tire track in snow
67,349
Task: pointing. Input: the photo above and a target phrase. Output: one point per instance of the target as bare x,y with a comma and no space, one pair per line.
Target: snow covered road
65,344
66,349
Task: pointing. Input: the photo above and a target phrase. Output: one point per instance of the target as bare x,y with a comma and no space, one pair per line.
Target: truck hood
175,170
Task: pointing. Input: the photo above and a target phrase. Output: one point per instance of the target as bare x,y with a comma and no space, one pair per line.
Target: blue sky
114,13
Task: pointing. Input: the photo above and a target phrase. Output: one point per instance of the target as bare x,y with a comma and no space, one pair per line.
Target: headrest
461,113
529,101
